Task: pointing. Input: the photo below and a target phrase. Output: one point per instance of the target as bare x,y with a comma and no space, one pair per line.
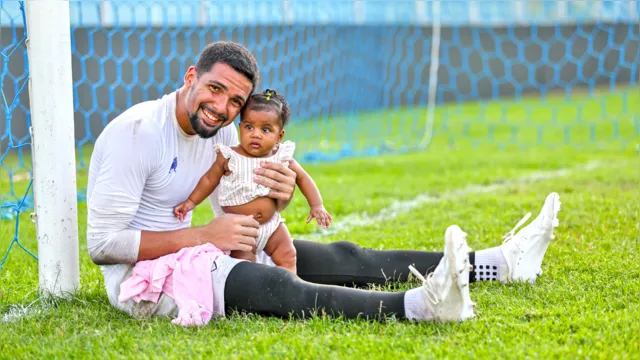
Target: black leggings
274,291
345,263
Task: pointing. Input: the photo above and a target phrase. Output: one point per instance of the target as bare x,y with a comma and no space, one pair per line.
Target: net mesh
14,141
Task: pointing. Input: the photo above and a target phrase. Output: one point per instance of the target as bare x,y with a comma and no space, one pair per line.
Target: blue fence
127,13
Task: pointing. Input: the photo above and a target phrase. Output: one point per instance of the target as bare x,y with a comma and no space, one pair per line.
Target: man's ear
191,76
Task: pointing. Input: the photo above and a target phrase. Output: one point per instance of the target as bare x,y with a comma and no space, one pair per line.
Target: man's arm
227,232
125,156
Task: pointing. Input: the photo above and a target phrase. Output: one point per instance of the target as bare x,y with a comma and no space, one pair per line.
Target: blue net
509,74
14,198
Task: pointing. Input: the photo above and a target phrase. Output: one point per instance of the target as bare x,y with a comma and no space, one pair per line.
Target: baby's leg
280,248
244,255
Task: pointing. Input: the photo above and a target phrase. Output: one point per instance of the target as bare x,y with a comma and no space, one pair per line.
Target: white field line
22,177
397,208
17,312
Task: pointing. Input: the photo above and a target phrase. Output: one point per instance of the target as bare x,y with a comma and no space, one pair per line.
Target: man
149,158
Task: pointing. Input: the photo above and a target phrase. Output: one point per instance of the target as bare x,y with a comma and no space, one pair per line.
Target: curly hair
270,100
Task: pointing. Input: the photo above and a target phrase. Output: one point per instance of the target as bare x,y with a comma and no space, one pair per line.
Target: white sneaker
525,250
446,289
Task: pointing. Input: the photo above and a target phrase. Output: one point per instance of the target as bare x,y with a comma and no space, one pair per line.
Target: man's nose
219,105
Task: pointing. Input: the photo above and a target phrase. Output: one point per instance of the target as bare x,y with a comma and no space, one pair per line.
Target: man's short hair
232,54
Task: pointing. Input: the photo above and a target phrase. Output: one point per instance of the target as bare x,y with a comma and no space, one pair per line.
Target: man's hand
280,179
232,232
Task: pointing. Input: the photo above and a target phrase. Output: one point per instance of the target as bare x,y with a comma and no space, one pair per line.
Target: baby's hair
270,100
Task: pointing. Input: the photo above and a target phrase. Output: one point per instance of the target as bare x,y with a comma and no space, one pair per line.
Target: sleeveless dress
238,188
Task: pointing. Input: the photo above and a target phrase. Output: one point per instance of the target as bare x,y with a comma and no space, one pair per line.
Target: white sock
414,305
488,263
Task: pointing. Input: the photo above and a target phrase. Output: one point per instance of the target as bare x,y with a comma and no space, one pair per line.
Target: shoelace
508,236
429,282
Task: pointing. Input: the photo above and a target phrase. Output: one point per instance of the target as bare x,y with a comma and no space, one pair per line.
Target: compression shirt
142,166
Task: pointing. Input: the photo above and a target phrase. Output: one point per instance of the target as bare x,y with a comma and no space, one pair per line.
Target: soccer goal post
53,145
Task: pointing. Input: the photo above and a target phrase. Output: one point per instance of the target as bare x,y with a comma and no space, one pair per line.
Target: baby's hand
181,210
322,216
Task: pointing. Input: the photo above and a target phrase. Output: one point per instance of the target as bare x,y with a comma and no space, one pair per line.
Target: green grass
585,305
580,119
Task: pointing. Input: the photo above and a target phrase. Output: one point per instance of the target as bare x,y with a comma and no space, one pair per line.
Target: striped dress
238,188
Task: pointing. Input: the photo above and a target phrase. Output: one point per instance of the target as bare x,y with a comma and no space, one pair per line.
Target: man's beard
201,128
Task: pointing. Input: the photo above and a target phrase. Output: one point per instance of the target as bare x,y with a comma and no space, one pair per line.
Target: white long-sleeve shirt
142,166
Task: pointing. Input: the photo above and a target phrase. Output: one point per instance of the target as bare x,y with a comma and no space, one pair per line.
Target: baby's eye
249,127
265,130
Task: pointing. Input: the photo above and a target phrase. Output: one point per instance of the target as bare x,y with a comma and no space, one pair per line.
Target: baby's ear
281,136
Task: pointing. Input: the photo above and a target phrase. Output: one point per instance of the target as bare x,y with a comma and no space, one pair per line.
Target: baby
262,124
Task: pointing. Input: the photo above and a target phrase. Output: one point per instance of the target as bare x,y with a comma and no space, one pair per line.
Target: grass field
585,305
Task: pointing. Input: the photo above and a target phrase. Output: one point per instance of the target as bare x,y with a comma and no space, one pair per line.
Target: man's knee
346,249
284,280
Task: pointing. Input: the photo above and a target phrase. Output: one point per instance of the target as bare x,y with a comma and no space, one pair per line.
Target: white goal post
53,145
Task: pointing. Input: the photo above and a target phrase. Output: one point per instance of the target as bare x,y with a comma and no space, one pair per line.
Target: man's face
215,98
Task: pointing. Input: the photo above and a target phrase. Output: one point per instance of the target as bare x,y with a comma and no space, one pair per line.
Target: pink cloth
185,276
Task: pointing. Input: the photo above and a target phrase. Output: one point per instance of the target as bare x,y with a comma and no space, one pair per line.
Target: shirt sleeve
125,155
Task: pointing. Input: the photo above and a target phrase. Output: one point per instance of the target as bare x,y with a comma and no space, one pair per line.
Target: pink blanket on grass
185,276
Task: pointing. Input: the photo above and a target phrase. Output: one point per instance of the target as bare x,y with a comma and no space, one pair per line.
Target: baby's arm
209,181
312,193
206,185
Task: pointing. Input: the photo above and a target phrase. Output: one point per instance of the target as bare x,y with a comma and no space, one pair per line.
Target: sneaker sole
554,199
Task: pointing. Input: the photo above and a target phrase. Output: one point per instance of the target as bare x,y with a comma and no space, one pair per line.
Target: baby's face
260,131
